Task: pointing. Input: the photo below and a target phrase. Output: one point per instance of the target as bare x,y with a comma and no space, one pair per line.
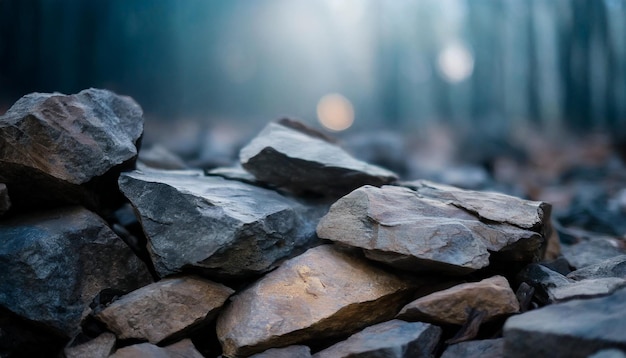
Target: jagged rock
224,227
165,308
451,306
57,148
182,349
591,252
297,158
428,230
392,339
576,328
488,348
286,352
613,267
54,263
99,347
5,202
322,293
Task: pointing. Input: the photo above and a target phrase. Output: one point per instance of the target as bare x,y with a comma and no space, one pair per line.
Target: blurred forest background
485,64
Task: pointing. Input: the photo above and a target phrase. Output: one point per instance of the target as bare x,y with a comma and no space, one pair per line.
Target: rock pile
301,251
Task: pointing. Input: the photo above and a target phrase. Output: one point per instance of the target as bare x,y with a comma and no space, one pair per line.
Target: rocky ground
302,248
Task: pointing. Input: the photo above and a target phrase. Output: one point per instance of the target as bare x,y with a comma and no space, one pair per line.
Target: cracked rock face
423,230
321,293
299,159
225,227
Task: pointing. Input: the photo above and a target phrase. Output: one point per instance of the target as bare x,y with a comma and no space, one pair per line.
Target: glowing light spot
455,62
335,112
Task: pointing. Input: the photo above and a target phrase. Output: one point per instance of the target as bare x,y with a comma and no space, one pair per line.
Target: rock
543,280
53,264
5,202
286,352
57,148
20,337
488,348
560,265
99,347
408,230
576,328
393,339
613,267
322,293
302,161
159,157
493,295
224,227
182,349
609,353
236,172
165,308
592,252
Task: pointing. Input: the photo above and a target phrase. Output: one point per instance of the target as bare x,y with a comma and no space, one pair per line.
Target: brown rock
165,308
99,347
182,349
322,293
493,295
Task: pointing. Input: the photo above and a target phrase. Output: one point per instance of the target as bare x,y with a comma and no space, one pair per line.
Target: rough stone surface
613,267
53,147
286,352
576,328
54,263
182,349
99,347
222,226
488,348
493,295
301,160
392,339
165,308
405,229
5,201
322,293
592,252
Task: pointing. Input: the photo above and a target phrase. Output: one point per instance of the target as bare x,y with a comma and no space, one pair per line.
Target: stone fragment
591,252
300,159
488,348
58,148
5,201
577,328
392,339
54,263
224,227
182,349
165,308
408,230
99,347
451,306
286,352
322,293
613,267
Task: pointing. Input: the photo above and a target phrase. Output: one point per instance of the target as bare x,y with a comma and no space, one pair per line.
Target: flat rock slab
5,201
451,306
54,263
322,293
591,252
392,339
52,144
99,347
165,308
182,349
300,159
613,267
295,351
406,229
576,328
488,348
225,227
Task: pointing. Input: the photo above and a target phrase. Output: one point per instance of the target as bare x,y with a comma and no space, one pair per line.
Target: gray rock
225,227
301,160
392,339
488,348
591,252
159,157
163,309
406,229
286,352
55,147
99,347
609,353
576,328
236,172
182,349
322,293
54,263
613,267
5,201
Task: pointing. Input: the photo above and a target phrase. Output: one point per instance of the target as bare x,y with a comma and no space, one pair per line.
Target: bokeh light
456,62
335,112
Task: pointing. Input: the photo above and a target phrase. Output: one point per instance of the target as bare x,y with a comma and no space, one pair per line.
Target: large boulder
54,263
289,155
223,227
427,230
322,293
59,148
